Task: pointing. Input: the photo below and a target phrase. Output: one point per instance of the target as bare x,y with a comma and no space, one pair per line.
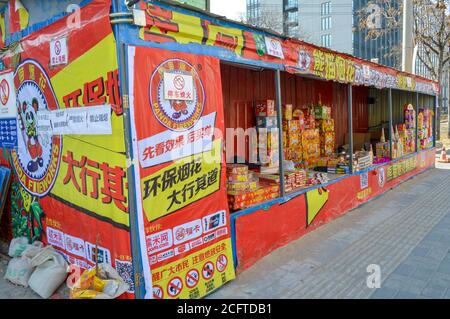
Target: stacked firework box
425,127
311,146
382,149
239,179
363,160
244,188
266,125
407,130
325,124
240,200
292,179
292,128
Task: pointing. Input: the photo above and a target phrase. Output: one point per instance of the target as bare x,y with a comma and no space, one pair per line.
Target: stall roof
169,22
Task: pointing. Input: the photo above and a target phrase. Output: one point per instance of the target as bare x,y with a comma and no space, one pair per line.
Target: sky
232,9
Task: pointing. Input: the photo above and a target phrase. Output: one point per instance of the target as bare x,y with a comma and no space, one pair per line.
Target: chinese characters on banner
92,120
213,38
184,214
68,191
8,111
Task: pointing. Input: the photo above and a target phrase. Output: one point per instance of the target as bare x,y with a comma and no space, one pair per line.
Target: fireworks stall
180,147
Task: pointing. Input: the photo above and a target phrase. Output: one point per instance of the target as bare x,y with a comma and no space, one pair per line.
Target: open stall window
425,129
252,147
314,115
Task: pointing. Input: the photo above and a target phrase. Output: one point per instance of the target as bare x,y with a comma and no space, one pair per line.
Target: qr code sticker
125,270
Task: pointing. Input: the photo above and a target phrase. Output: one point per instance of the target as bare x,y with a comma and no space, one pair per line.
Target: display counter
258,230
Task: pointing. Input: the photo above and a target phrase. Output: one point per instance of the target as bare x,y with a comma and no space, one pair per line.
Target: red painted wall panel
259,233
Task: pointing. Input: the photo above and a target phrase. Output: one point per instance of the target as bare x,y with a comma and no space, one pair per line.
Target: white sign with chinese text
89,120
8,107
59,53
99,120
274,47
178,86
170,145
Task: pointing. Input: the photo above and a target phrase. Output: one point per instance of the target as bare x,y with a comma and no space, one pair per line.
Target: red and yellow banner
71,191
165,24
178,111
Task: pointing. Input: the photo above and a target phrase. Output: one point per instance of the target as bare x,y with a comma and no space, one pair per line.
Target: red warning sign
208,270
158,292
221,263
192,278
174,287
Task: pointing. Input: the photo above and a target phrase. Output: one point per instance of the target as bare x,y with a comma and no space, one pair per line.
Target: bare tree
431,32
272,18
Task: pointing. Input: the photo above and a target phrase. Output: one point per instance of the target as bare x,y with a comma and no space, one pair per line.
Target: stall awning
178,28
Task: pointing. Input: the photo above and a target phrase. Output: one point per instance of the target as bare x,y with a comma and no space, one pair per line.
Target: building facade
335,24
329,23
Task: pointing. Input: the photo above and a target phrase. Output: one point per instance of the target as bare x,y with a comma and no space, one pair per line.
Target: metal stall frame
125,40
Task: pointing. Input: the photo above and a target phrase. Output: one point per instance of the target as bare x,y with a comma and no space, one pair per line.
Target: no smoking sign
192,278
4,92
59,54
208,270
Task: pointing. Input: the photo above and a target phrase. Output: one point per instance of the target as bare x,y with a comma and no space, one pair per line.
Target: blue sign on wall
8,133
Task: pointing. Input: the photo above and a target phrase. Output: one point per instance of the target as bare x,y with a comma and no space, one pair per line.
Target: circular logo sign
381,177
192,278
174,287
4,92
178,82
58,47
37,158
158,292
177,114
208,270
273,43
221,263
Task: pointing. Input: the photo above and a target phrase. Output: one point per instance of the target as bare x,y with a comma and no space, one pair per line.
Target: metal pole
280,131
350,126
390,123
132,207
416,131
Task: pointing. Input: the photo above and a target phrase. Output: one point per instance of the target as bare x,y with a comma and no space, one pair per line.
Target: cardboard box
268,122
265,108
287,112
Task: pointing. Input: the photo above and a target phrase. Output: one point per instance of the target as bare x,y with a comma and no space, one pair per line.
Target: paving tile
419,251
434,291
384,293
406,295
404,269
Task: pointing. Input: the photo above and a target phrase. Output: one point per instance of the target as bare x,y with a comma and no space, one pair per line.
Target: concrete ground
406,233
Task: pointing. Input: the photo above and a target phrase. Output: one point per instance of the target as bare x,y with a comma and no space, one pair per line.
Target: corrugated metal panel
243,86
379,112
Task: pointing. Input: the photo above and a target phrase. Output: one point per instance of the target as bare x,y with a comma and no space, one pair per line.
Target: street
404,232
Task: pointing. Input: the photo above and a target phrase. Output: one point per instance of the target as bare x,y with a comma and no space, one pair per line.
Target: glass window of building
325,8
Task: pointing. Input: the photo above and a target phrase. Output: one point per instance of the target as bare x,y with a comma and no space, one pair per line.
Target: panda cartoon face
30,113
30,116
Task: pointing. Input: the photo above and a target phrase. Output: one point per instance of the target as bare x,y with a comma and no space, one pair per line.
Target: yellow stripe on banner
23,18
3,28
93,65
94,179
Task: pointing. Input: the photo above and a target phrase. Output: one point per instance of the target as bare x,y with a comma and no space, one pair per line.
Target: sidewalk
405,232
